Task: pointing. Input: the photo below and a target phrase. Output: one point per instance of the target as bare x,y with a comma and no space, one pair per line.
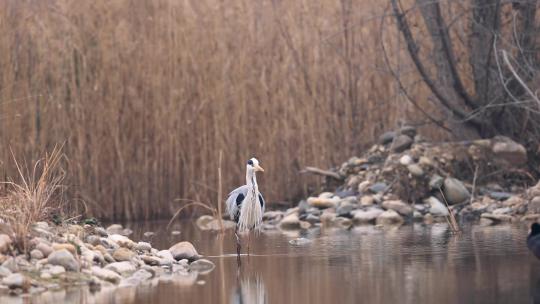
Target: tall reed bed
146,93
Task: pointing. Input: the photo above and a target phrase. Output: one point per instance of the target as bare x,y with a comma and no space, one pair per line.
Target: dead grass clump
35,196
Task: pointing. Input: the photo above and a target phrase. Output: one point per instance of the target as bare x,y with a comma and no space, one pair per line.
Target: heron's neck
251,179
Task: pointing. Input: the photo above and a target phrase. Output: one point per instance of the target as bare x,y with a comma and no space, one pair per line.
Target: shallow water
410,264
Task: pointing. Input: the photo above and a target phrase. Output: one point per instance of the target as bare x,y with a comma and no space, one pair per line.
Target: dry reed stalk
145,92
219,195
450,218
34,197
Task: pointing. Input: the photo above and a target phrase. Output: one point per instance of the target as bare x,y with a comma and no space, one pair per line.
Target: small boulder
534,205
63,258
401,143
36,254
290,222
202,221
399,206
387,137
415,170
143,246
436,182
454,191
184,250
366,216
106,274
300,241
123,254
69,247
4,272
115,229
378,187
323,202
367,200
406,160
122,268
16,280
437,208
56,270
389,217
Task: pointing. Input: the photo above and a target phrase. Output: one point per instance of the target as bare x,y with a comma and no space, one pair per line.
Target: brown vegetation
146,94
36,197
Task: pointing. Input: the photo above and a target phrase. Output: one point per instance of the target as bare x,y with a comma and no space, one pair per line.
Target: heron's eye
250,162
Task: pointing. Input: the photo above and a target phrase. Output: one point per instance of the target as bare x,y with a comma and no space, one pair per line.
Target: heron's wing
261,201
234,201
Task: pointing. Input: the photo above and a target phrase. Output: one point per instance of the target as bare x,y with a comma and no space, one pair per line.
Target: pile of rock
405,178
57,256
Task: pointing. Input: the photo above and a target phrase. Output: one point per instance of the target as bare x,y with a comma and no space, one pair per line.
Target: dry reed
144,93
34,197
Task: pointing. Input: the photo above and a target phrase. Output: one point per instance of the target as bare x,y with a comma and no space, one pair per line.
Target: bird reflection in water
249,289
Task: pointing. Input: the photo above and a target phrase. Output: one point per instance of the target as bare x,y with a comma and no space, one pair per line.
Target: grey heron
245,204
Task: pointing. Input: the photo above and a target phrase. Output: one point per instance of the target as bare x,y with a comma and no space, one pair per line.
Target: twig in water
452,221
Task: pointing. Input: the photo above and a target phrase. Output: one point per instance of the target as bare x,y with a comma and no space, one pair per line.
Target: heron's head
253,164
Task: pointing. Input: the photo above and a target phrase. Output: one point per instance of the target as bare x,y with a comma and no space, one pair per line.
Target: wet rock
63,258
305,225
36,254
436,182
500,196
484,222
323,202
387,137
401,143
202,266
366,216
389,217
273,215
504,210
123,254
121,240
437,208
378,187
166,256
16,280
4,272
367,200
184,250
66,246
342,222
408,130
406,160
454,191
327,218
534,205
300,241
55,270
509,152
143,246
398,206
115,229
5,243
415,170
93,240
152,260
498,217
289,222
122,268
101,231
11,264
106,274
345,210
363,186
310,218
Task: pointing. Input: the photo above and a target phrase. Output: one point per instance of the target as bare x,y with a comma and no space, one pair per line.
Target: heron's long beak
259,168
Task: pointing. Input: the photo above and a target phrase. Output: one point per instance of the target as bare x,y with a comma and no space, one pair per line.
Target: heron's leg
238,247
249,241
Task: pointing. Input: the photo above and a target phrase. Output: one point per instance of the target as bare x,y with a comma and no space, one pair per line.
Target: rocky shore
405,178
81,254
